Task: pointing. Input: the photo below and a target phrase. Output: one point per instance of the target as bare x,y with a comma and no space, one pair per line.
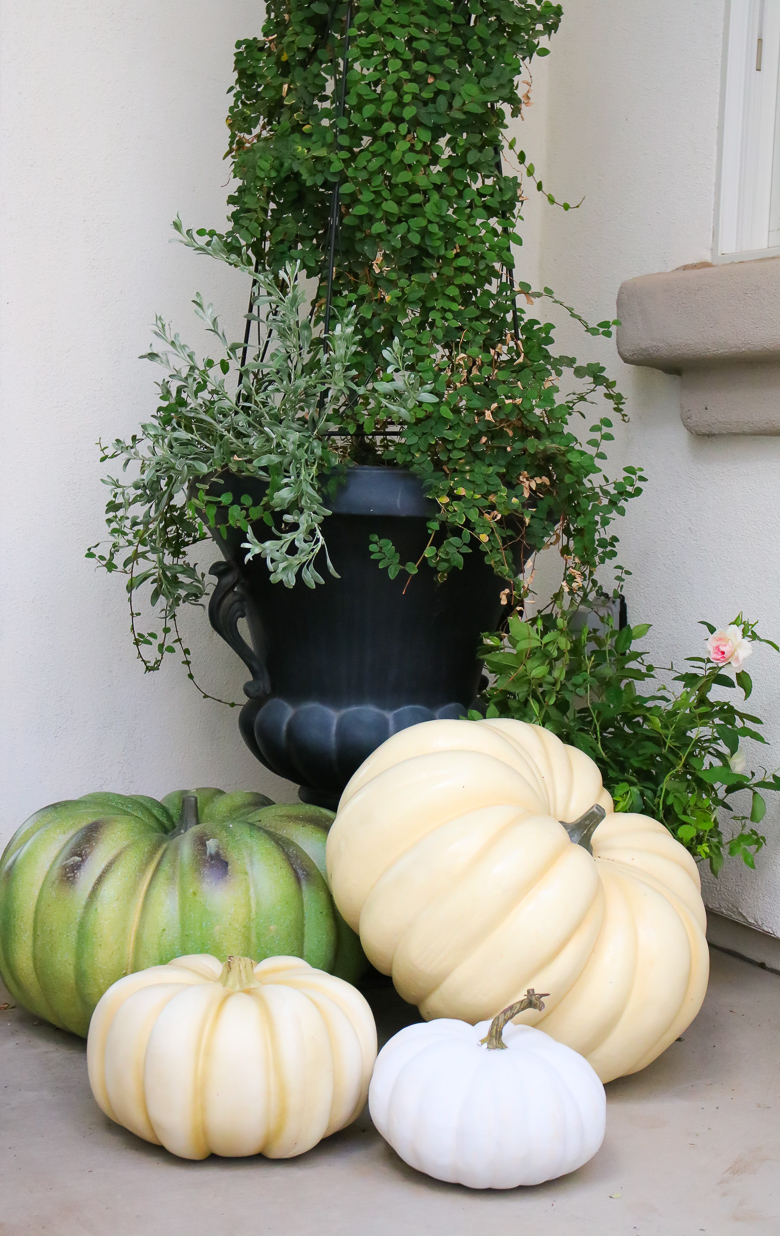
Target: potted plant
392,440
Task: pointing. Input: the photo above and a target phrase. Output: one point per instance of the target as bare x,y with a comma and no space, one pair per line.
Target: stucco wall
113,119
631,114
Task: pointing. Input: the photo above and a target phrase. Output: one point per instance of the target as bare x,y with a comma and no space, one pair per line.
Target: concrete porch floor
692,1146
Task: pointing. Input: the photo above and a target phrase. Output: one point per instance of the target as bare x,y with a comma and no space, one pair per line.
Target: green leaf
757,809
729,737
721,680
623,639
721,775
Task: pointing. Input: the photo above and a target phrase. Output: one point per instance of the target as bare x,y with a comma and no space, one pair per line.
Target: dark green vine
427,221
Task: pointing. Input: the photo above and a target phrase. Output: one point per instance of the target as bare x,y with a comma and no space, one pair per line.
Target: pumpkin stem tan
238,973
581,830
188,817
494,1038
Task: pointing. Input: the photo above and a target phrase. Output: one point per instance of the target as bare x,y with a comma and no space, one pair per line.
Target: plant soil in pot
339,668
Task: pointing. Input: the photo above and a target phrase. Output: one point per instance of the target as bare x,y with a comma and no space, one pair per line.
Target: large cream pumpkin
447,855
233,1059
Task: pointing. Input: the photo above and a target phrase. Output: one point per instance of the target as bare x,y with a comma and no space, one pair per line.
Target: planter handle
226,607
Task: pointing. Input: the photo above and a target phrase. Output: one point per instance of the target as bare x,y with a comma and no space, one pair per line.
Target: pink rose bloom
728,647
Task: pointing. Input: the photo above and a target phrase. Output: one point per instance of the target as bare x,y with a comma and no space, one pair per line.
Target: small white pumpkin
239,1059
452,1104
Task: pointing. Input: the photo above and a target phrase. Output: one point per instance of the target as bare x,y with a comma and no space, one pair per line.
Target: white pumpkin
448,857
237,1059
455,1106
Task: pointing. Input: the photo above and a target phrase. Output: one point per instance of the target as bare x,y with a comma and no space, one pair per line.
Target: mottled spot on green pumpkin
213,865
78,851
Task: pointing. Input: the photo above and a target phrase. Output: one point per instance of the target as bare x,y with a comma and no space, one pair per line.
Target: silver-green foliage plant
268,410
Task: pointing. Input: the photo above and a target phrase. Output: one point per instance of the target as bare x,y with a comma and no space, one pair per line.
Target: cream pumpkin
447,855
239,1059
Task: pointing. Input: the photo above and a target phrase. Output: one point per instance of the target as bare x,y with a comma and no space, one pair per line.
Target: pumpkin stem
581,830
493,1039
188,817
238,973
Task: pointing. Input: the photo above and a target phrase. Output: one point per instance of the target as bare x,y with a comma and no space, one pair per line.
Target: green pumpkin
107,884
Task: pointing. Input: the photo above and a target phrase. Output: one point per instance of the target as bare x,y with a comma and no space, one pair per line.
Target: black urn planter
339,668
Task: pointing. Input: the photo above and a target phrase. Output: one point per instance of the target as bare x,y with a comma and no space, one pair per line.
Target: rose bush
670,744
